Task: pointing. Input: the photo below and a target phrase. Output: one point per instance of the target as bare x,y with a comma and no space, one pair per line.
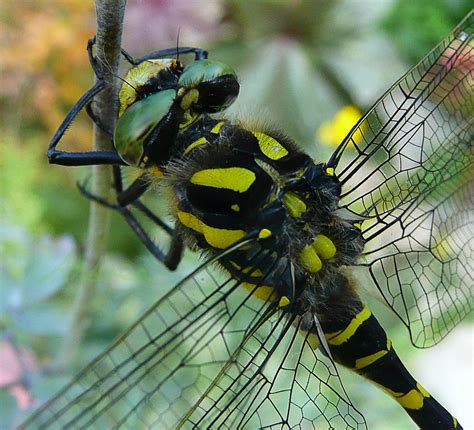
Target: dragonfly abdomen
360,343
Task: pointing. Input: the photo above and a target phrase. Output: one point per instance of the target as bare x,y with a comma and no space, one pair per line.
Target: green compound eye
204,71
137,122
216,82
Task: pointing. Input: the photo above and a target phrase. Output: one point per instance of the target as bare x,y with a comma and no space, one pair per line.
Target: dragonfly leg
131,197
107,130
199,54
91,157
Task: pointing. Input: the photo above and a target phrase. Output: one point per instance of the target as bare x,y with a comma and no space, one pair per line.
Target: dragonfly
253,336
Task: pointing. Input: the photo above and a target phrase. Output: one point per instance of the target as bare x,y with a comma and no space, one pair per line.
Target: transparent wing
277,380
407,169
191,353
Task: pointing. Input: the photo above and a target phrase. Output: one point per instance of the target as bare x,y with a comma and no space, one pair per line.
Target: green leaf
8,409
43,320
48,266
33,268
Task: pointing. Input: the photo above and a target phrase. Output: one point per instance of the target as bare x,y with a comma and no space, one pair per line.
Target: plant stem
110,14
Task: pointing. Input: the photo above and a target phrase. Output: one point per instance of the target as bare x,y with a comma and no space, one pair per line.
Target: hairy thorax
232,181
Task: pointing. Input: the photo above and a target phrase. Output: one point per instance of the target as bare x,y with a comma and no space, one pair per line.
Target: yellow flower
332,132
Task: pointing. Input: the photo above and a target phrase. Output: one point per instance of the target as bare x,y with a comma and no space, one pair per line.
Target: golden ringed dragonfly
255,343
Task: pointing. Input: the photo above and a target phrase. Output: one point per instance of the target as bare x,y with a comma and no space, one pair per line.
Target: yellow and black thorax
230,181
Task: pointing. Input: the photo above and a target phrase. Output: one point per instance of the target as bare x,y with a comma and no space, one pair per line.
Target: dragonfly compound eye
216,83
137,123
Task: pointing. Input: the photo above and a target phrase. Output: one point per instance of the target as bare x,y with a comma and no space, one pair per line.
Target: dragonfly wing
277,380
406,169
425,269
208,354
158,369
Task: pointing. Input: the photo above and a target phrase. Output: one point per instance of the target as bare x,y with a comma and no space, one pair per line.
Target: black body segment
357,341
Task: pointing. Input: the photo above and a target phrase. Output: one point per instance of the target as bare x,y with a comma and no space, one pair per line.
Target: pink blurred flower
13,364
154,24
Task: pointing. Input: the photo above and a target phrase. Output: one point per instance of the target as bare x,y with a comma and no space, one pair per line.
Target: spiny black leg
91,158
128,57
125,197
97,199
199,54
142,235
173,257
175,252
134,191
131,196
93,60
79,105
108,131
82,158
117,172
150,215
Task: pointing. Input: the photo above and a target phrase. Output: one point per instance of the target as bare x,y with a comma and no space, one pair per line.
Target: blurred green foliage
33,270
417,26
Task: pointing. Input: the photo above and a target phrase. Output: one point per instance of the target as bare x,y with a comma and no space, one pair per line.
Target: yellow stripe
294,204
412,400
263,292
284,301
270,147
423,390
235,207
216,237
264,233
195,144
344,335
188,118
217,128
256,272
230,178
156,171
360,363
189,99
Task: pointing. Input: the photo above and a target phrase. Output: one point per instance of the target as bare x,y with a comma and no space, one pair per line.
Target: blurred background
306,66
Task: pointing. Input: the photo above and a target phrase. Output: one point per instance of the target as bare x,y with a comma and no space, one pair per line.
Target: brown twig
110,14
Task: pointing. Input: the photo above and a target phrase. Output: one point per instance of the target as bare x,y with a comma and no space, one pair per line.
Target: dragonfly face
159,97
254,345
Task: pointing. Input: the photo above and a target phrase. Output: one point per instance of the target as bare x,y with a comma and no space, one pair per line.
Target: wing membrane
278,381
158,369
207,354
407,169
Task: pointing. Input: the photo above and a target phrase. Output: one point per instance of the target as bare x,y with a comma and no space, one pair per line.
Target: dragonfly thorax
233,181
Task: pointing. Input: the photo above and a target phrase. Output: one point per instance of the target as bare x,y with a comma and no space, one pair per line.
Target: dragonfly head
158,98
